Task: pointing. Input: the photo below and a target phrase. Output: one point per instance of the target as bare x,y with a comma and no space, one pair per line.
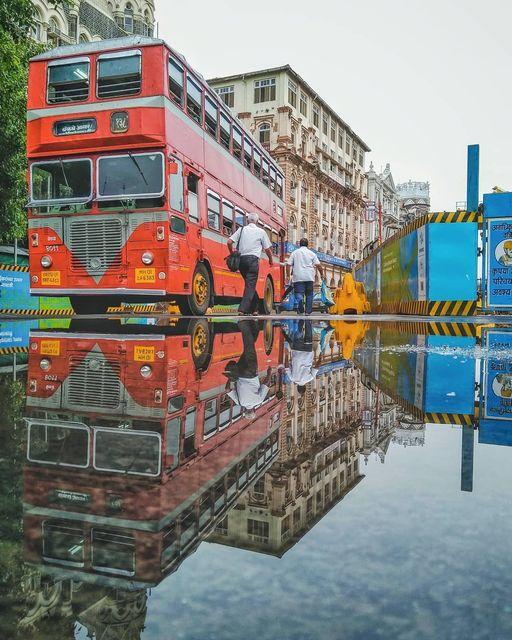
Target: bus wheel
268,336
200,332
199,300
267,304
83,305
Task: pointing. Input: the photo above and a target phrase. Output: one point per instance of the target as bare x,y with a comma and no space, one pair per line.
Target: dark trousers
249,268
302,338
302,289
247,365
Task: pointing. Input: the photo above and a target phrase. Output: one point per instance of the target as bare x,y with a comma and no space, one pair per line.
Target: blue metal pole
473,177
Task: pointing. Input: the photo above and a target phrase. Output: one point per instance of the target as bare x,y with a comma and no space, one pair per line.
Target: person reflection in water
301,369
247,390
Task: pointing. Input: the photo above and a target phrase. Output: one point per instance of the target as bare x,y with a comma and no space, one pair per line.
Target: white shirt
249,392
302,371
303,262
254,240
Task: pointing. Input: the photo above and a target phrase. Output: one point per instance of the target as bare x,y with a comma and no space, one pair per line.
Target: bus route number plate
50,348
50,278
145,275
142,353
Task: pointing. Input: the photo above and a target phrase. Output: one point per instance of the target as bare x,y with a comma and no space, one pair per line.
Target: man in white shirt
304,264
250,240
301,369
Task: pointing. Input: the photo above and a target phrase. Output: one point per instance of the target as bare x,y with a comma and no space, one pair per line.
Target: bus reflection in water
138,174
135,450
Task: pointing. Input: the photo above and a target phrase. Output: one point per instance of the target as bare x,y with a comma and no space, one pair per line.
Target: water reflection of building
409,432
379,418
318,462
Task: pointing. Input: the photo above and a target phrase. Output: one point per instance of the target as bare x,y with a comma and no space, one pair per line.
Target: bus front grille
95,245
93,382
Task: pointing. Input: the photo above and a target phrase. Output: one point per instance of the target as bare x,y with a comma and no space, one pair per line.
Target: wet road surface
171,477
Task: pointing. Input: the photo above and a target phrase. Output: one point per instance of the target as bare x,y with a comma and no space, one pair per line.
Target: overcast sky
418,80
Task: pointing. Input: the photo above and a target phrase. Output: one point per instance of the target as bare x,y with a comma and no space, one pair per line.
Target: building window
264,132
316,116
265,90
340,139
227,95
73,28
292,93
325,123
303,104
333,131
361,158
347,146
128,18
258,530
148,24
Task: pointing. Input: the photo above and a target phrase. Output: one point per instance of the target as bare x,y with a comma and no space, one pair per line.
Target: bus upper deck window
225,130
247,153
68,81
194,100
176,81
265,172
272,178
279,187
257,162
211,116
237,143
239,217
119,74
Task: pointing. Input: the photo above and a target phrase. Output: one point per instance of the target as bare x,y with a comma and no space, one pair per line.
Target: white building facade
384,203
322,158
88,20
414,199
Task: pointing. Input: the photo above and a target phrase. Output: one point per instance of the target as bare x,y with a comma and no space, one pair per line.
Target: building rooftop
287,68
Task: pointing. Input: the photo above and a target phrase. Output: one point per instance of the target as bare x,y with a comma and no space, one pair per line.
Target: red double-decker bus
138,174
135,448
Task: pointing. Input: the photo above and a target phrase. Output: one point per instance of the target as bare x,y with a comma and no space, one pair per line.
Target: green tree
16,48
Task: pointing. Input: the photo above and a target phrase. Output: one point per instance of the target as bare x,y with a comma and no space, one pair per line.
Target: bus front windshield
61,181
135,175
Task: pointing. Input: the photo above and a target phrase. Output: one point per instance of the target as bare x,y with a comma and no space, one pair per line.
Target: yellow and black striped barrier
455,216
37,312
13,267
452,308
458,329
5,351
450,418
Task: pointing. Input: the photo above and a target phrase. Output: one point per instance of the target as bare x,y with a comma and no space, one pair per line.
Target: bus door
185,241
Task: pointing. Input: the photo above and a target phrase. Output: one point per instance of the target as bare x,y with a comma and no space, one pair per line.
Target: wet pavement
220,478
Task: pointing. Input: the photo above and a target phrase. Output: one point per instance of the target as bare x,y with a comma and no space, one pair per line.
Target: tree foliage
16,48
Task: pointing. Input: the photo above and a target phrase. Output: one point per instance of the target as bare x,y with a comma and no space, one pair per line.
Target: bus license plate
145,275
50,348
50,278
144,354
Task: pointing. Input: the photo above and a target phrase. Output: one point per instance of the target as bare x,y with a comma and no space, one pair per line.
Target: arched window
36,29
128,18
264,131
84,37
148,23
293,189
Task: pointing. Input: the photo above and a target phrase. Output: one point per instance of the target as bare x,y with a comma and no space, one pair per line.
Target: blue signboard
16,333
323,257
14,290
497,384
498,250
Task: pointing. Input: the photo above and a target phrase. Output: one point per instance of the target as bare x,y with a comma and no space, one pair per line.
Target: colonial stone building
414,199
84,21
384,202
321,156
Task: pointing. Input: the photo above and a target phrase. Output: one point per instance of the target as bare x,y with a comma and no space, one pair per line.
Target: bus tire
268,336
201,340
83,305
267,302
198,301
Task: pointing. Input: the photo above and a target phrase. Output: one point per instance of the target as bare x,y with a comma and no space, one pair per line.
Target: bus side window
173,441
257,163
265,173
211,116
248,153
225,130
194,100
279,189
227,218
193,196
176,185
272,178
239,217
275,243
176,81
237,143
213,211
190,432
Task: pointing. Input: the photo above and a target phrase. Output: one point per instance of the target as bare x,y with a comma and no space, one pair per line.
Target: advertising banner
499,263
497,383
399,269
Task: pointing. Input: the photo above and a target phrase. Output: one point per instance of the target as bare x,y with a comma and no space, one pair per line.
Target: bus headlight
45,364
147,257
146,371
46,262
